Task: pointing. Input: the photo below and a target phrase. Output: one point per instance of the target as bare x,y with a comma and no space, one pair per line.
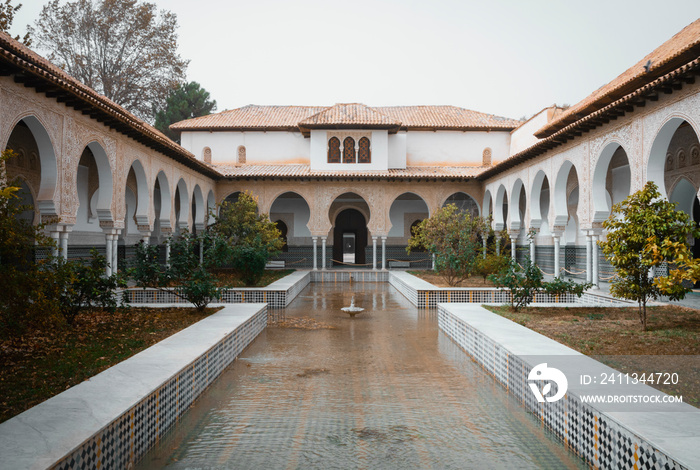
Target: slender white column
115,252
383,253
594,260
64,245
483,242
315,241
557,267
146,237
589,276
433,262
532,249
108,253
167,252
498,245
513,247
374,253
323,253
201,251
56,249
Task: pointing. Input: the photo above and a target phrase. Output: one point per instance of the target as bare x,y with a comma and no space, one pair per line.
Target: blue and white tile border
604,439
279,294
423,294
112,419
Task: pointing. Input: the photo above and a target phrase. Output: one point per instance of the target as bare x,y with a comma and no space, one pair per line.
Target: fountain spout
352,310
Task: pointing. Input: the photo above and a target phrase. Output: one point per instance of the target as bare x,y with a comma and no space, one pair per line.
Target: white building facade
351,173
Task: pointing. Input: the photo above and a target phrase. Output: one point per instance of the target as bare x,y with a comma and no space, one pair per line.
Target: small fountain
352,310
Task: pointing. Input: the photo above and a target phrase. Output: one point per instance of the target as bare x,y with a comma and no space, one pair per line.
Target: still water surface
385,389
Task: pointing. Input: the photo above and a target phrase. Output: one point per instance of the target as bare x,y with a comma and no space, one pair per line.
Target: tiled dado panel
279,294
425,295
349,276
600,441
128,437
111,420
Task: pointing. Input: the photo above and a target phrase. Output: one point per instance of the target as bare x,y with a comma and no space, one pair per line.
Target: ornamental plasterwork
69,169
341,135
687,109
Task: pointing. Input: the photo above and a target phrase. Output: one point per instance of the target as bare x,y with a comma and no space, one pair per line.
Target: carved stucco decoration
17,107
687,109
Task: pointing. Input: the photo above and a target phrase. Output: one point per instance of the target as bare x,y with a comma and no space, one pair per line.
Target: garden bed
602,332
40,364
232,278
439,281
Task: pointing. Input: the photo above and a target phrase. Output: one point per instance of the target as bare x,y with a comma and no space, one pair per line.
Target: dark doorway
282,227
350,224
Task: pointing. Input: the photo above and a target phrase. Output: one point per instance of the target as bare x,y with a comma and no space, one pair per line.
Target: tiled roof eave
658,70
238,129
665,84
352,176
33,74
457,128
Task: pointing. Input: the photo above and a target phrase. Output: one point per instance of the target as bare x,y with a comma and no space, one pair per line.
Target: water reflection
382,390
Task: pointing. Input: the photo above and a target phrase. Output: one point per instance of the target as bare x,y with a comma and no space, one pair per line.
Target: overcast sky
509,58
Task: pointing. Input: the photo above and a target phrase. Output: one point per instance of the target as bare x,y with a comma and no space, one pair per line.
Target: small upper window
334,150
487,157
206,155
241,155
364,155
349,150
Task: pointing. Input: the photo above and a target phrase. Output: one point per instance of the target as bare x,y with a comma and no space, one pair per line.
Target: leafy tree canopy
187,101
7,16
645,231
245,239
123,49
453,237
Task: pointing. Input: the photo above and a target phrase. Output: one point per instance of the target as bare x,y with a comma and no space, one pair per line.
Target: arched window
364,155
206,155
334,150
241,154
486,158
349,150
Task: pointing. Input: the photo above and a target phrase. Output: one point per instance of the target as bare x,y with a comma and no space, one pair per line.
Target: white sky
510,58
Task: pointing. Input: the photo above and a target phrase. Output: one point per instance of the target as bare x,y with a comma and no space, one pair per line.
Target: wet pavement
384,389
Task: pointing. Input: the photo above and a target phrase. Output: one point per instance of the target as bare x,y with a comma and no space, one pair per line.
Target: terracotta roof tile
251,117
677,51
39,72
304,171
446,117
293,117
349,114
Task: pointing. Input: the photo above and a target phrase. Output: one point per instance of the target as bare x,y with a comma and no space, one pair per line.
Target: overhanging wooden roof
33,71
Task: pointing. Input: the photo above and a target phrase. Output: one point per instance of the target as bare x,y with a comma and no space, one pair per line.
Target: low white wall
112,419
605,437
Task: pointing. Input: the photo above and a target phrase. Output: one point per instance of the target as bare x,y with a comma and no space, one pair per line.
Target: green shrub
453,238
75,285
184,275
243,239
525,282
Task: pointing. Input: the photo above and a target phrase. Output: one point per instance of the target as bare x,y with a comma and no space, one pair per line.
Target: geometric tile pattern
348,275
601,442
489,295
121,443
274,298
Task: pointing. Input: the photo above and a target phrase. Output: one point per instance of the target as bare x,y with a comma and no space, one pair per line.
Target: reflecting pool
384,389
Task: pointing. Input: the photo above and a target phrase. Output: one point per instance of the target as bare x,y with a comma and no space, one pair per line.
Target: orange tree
453,238
244,239
644,231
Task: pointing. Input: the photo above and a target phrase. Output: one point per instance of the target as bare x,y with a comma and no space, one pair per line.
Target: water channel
384,389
